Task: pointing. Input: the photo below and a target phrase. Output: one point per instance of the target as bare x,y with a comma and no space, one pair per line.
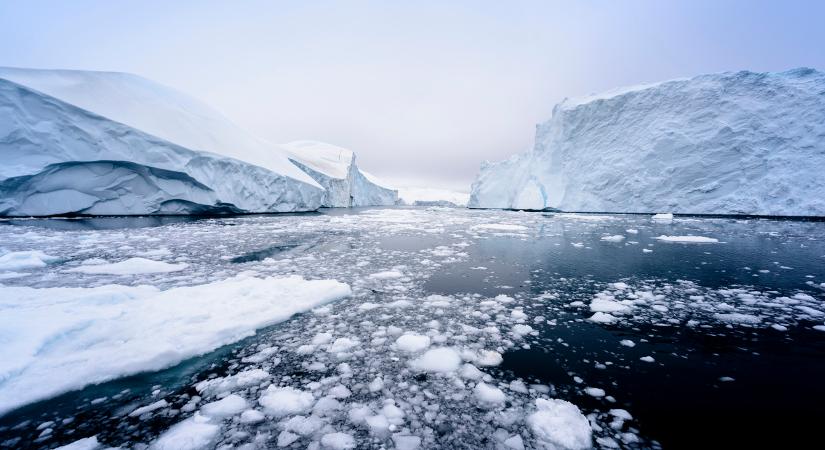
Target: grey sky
421,91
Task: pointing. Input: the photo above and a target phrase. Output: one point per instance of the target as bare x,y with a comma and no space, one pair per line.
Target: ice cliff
334,168
76,142
727,143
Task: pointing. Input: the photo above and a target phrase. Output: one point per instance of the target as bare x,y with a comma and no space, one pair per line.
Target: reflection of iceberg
729,143
108,143
334,168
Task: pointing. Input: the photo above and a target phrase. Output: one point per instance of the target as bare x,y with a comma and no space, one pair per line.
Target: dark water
776,395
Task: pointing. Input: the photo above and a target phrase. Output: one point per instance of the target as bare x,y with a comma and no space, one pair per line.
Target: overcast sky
421,91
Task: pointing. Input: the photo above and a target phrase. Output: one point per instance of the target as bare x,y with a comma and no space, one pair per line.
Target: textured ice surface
358,367
729,143
59,158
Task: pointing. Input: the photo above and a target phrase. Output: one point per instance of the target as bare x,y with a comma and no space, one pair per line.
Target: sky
422,91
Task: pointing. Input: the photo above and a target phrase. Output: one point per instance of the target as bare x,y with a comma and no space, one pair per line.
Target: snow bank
138,149
727,143
59,339
334,168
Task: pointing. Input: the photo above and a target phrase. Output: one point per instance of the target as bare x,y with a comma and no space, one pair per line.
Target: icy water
660,344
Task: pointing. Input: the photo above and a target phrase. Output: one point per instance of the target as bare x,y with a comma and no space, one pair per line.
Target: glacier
725,143
334,168
60,158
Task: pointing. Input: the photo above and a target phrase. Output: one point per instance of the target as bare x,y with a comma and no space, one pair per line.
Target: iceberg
101,143
725,143
334,168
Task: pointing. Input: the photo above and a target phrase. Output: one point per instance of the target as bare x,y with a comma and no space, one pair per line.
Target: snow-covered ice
58,339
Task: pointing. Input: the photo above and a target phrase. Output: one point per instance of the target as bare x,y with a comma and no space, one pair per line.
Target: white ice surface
131,266
59,339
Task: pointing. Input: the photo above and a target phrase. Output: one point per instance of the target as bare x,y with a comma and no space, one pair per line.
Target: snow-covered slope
334,168
58,158
157,110
728,143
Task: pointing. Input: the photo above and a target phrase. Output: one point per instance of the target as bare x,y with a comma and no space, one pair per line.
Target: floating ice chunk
131,266
470,372
322,338
778,327
594,392
286,438
726,379
614,238
228,406
648,359
368,306
339,391
342,344
283,401
632,231
338,441
627,343
521,329
621,414
604,305
738,318
252,416
89,443
376,385
406,442
601,317
193,433
442,359
412,343
239,380
506,227
558,424
664,217
687,239
819,327
514,442
489,395
160,404
388,274
32,259
486,358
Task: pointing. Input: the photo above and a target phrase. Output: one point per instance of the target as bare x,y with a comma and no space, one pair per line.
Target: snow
334,168
687,239
724,143
437,360
60,339
116,144
131,266
25,260
412,343
558,424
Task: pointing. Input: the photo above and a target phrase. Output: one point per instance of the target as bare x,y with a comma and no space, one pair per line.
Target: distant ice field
411,328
